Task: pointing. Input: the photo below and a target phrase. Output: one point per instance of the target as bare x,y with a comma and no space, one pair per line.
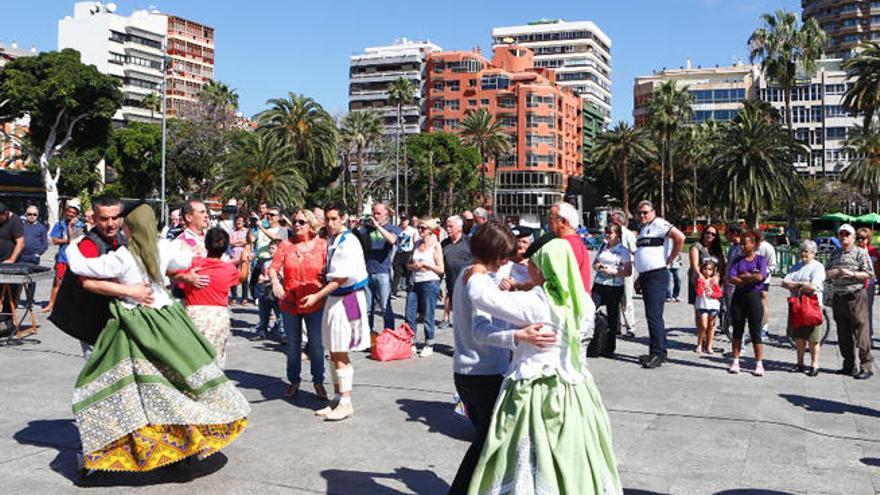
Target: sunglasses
843,234
300,222
713,234
422,227
643,213
30,214
272,214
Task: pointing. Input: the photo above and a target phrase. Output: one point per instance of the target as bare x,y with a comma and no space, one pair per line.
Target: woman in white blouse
806,277
426,269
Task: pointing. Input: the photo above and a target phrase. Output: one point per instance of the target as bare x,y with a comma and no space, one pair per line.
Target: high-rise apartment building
190,64
847,22
717,92
542,119
579,52
128,48
132,48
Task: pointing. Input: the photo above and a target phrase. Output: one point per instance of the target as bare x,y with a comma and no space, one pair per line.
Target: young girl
708,304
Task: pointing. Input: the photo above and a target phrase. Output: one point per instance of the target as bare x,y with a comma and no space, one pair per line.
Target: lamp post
164,126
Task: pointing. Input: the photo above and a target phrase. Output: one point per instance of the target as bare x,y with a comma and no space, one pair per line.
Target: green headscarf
143,243
565,290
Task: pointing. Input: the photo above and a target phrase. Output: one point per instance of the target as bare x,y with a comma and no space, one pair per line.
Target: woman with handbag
426,269
805,282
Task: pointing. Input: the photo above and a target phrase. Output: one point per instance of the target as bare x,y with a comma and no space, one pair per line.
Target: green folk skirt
548,436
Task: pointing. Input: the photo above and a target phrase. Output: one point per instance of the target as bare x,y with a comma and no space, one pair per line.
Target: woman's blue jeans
293,326
422,297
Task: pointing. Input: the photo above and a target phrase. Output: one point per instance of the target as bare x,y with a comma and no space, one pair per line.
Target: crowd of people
522,306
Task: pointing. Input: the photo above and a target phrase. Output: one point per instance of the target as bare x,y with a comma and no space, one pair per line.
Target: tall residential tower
847,23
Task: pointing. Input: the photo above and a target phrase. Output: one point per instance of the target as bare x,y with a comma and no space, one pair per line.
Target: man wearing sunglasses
848,269
35,241
652,258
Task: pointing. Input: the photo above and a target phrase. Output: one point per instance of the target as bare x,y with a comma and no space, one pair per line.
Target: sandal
292,390
320,391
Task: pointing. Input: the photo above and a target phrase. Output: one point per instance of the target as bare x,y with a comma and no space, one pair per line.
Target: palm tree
863,94
305,126
751,167
482,131
259,170
616,149
220,101
695,146
669,110
400,94
153,103
784,49
363,129
863,172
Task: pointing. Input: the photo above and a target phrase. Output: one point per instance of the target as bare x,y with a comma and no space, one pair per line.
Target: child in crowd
266,300
708,304
208,307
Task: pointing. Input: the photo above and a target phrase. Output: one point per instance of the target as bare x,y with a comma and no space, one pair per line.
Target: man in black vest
83,305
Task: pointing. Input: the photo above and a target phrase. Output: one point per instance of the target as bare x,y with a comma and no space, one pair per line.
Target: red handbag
804,311
394,344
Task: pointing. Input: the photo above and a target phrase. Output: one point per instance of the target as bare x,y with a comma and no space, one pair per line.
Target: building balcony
384,75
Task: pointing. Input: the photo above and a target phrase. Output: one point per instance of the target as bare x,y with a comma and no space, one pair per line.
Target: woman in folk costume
151,393
550,432
344,325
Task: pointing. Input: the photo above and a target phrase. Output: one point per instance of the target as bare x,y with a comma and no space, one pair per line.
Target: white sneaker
427,351
414,350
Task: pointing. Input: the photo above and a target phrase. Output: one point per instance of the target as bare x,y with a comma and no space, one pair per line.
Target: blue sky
266,48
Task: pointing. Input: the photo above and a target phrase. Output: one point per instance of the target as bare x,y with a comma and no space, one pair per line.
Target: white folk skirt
340,334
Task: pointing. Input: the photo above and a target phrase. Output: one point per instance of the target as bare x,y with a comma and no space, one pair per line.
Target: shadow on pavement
752,491
340,482
62,435
870,461
813,404
270,387
439,417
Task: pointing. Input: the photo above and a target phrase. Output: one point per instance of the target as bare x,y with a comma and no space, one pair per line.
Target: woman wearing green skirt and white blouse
550,432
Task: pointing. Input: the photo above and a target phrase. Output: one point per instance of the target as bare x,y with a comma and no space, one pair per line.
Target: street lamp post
164,127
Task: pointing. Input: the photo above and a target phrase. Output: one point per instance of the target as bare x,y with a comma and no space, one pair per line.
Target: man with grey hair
481,216
652,260
563,221
628,241
456,257
379,237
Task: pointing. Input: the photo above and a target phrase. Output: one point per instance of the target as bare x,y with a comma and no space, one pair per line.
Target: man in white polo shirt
651,261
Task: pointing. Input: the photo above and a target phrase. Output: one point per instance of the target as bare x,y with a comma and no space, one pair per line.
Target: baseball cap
847,228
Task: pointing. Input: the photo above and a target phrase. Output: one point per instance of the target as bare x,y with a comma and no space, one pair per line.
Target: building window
494,81
508,121
507,102
451,104
534,100
469,65
835,111
453,86
438,67
437,124
472,103
472,83
835,133
116,58
835,89
437,105
536,120
484,102
438,85
452,123
536,139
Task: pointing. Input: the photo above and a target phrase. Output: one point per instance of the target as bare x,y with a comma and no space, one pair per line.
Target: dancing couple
547,431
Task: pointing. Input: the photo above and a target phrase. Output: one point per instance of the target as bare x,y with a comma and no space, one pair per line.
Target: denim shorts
711,312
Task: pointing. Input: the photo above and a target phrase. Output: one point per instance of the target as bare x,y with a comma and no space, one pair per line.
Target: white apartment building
372,71
818,117
717,92
127,47
578,51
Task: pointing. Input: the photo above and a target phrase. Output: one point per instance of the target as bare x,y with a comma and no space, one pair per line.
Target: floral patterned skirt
152,393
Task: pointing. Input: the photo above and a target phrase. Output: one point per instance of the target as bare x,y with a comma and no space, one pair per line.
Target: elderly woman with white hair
806,278
563,221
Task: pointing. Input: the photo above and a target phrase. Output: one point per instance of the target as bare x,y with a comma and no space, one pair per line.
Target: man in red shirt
563,221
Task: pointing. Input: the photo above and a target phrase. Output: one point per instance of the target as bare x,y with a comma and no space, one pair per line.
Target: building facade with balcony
13,133
542,119
190,64
847,23
818,117
579,52
129,48
717,92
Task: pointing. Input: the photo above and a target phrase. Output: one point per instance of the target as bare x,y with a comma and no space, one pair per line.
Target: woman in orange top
300,262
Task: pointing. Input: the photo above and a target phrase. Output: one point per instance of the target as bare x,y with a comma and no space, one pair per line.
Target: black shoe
844,371
653,362
609,355
798,368
257,336
644,358
863,374
813,372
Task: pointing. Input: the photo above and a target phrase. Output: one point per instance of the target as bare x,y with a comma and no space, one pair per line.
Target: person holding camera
379,236
67,228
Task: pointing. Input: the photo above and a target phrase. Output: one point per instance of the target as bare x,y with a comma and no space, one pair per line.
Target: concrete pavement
686,428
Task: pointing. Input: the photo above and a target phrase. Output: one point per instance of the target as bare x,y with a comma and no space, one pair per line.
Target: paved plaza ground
686,428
